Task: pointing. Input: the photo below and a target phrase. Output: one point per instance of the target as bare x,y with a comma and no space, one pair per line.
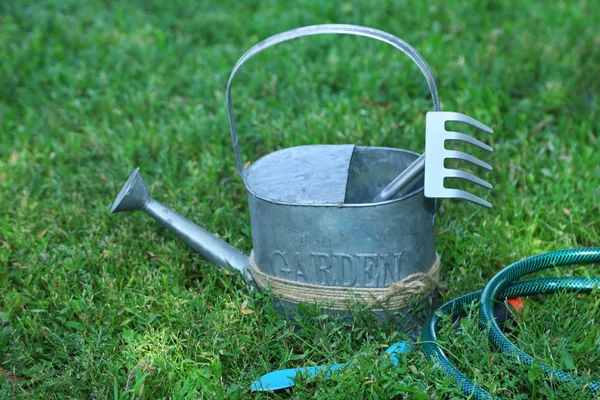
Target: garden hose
501,286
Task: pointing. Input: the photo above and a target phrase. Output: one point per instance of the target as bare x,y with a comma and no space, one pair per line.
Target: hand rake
431,163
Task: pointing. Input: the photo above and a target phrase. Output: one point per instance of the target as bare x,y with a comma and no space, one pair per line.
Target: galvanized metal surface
134,196
404,182
382,163
306,231
314,174
349,244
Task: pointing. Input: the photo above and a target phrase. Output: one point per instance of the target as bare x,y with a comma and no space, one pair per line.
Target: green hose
501,286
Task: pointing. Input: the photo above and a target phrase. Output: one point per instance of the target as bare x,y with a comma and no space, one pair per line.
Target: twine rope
392,297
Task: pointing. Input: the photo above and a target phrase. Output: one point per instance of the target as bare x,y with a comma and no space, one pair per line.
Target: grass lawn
96,306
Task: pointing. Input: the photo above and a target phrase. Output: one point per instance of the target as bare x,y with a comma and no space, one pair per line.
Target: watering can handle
321,30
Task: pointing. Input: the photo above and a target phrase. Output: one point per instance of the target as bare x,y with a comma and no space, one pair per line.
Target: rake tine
433,161
456,173
461,137
459,155
461,194
465,119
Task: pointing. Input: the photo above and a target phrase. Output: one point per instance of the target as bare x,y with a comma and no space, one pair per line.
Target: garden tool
317,235
284,378
431,164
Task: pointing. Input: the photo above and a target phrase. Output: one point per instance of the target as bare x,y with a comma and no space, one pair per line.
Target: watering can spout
134,196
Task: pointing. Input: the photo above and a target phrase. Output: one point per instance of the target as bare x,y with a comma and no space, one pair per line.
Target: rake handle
403,182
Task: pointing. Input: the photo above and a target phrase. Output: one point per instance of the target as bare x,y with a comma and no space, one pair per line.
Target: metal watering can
327,225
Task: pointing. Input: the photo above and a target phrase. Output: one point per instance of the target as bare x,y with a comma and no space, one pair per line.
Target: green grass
100,306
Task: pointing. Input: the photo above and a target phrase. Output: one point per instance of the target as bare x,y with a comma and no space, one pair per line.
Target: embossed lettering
322,263
338,269
371,274
391,267
283,271
347,269
300,271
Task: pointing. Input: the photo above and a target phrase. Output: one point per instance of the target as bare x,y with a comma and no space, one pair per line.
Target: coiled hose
501,286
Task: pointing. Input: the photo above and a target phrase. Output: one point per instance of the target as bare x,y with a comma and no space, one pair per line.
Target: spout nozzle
133,196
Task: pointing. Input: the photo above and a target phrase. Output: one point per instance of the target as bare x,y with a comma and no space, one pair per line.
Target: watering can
317,232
